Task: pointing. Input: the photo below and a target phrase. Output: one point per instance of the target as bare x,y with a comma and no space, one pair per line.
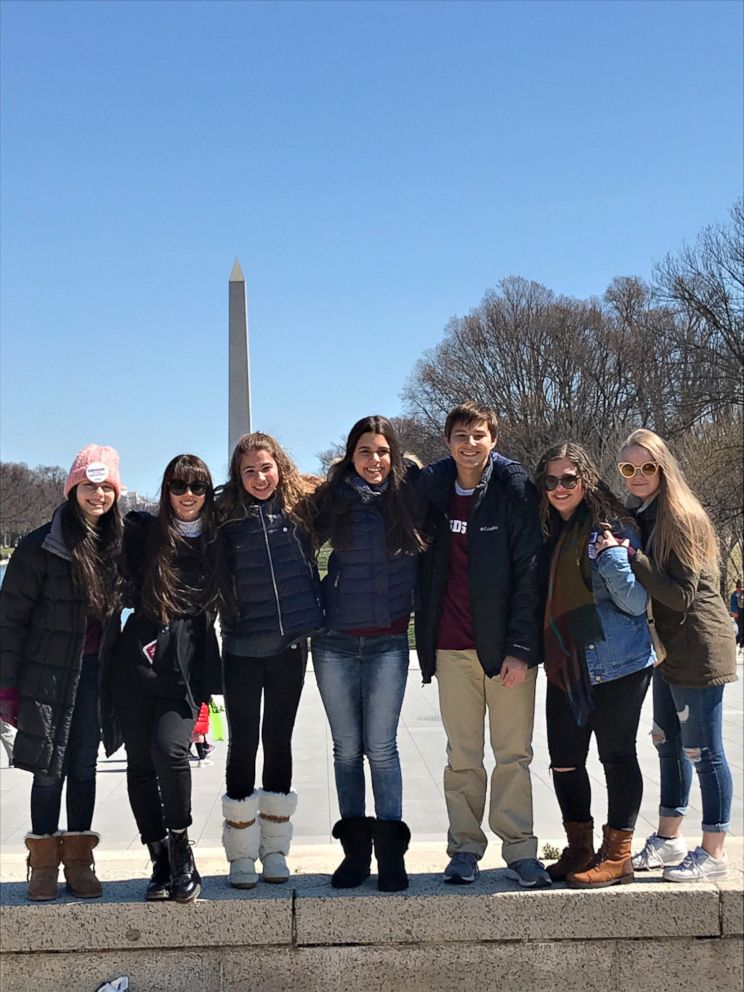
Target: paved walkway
422,748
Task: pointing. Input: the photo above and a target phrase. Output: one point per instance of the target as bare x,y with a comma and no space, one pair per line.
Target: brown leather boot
611,864
578,855
77,858
44,854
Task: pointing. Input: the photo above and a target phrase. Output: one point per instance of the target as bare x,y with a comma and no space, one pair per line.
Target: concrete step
305,936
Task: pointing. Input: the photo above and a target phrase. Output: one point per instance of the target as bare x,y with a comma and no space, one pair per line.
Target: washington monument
239,391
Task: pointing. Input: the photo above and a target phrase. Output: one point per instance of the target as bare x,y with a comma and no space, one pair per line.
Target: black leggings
157,736
280,679
614,721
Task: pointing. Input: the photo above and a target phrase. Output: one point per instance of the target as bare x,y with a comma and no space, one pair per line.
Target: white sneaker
698,866
659,853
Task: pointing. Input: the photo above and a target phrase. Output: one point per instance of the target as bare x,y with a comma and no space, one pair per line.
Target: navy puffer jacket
275,579
366,586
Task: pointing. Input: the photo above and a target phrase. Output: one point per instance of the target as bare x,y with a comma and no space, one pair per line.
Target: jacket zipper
271,567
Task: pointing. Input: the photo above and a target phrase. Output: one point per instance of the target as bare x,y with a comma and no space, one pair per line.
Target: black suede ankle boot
391,843
355,834
159,885
185,879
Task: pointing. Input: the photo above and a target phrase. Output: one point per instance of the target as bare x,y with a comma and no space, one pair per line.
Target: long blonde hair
682,528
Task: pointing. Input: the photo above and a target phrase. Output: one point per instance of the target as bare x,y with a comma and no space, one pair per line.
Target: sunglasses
552,482
179,488
629,471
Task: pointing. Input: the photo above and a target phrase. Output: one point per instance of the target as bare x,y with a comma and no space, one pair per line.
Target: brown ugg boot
579,853
611,864
44,854
77,858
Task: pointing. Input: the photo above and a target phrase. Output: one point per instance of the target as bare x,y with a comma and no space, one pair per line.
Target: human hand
607,539
513,671
9,706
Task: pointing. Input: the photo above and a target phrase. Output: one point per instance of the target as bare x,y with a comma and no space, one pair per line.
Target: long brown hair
602,502
401,534
164,593
95,552
682,528
233,501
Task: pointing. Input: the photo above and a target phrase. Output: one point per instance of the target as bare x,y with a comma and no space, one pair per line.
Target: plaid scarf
571,618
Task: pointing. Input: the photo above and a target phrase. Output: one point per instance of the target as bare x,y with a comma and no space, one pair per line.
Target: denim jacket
621,604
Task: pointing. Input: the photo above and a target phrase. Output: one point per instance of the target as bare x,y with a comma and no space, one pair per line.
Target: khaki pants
464,694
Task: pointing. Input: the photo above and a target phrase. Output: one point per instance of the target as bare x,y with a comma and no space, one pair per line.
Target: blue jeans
687,735
362,681
79,764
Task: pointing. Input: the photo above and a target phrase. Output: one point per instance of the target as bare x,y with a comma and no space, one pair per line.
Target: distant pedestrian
598,660
270,603
59,621
168,666
366,511
679,568
199,737
736,609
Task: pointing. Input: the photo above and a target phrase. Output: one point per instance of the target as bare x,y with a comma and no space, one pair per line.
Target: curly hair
232,499
163,593
602,502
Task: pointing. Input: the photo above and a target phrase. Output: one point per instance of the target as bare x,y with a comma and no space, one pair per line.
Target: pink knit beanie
95,463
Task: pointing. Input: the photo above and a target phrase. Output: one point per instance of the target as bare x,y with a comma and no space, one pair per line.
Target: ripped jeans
687,735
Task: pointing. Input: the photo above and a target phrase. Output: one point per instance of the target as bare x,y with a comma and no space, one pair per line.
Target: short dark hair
469,414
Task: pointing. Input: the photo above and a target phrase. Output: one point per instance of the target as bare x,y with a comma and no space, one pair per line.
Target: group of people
500,573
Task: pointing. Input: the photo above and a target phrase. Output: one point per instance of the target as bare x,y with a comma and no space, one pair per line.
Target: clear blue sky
376,167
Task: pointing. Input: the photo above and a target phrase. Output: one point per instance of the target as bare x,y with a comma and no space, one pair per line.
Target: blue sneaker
462,869
529,872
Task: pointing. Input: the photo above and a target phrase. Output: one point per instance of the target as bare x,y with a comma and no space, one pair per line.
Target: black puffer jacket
503,547
42,626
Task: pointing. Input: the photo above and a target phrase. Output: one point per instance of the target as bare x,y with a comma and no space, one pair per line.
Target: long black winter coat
43,619
503,547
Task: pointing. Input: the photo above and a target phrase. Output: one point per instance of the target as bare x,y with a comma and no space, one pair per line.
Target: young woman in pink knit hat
59,621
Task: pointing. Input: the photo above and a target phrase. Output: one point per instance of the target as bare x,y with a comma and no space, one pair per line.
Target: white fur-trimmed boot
276,833
241,834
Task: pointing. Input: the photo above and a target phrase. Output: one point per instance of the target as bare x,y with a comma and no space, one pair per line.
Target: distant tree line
666,354
29,497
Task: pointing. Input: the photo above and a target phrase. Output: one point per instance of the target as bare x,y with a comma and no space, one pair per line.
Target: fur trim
241,810
57,833
275,838
278,803
81,833
241,843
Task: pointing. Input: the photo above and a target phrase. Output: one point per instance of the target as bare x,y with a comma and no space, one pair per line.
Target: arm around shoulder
674,586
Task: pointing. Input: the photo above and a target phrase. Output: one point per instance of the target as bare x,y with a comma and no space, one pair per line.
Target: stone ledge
659,965
307,913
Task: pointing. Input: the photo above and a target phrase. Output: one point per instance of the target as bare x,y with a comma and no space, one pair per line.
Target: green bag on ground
216,723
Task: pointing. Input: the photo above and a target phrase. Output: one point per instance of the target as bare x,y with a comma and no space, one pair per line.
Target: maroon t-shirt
93,634
455,632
